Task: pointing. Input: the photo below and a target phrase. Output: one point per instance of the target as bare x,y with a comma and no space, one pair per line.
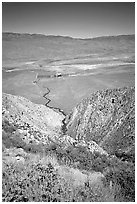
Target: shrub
123,175
33,183
38,181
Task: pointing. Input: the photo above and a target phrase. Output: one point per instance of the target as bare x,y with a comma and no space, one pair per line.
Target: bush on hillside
37,182
122,174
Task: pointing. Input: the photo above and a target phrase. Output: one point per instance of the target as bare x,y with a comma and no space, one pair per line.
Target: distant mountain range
6,35
18,47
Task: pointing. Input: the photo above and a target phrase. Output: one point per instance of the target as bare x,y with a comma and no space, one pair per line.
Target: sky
78,20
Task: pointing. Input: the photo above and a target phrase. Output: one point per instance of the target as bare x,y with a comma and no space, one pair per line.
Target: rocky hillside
103,122
106,117
93,156
34,122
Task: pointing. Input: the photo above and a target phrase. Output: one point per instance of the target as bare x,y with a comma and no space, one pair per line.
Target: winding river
64,129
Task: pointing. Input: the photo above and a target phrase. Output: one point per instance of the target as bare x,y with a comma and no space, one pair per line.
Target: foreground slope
91,159
27,128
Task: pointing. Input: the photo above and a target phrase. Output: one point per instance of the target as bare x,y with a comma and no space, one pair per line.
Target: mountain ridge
14,34
101,115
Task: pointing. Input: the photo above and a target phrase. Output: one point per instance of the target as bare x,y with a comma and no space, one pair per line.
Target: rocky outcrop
106,117
34,122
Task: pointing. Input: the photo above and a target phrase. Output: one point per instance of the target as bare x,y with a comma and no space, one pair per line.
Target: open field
66,92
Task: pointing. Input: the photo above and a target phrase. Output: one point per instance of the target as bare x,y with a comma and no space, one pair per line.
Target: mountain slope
106,120
38,124
35,122
106,117
95,156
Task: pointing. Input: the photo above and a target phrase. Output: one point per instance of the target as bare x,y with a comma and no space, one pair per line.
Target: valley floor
65,91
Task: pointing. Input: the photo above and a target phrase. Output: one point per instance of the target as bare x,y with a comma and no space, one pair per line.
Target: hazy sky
69,18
